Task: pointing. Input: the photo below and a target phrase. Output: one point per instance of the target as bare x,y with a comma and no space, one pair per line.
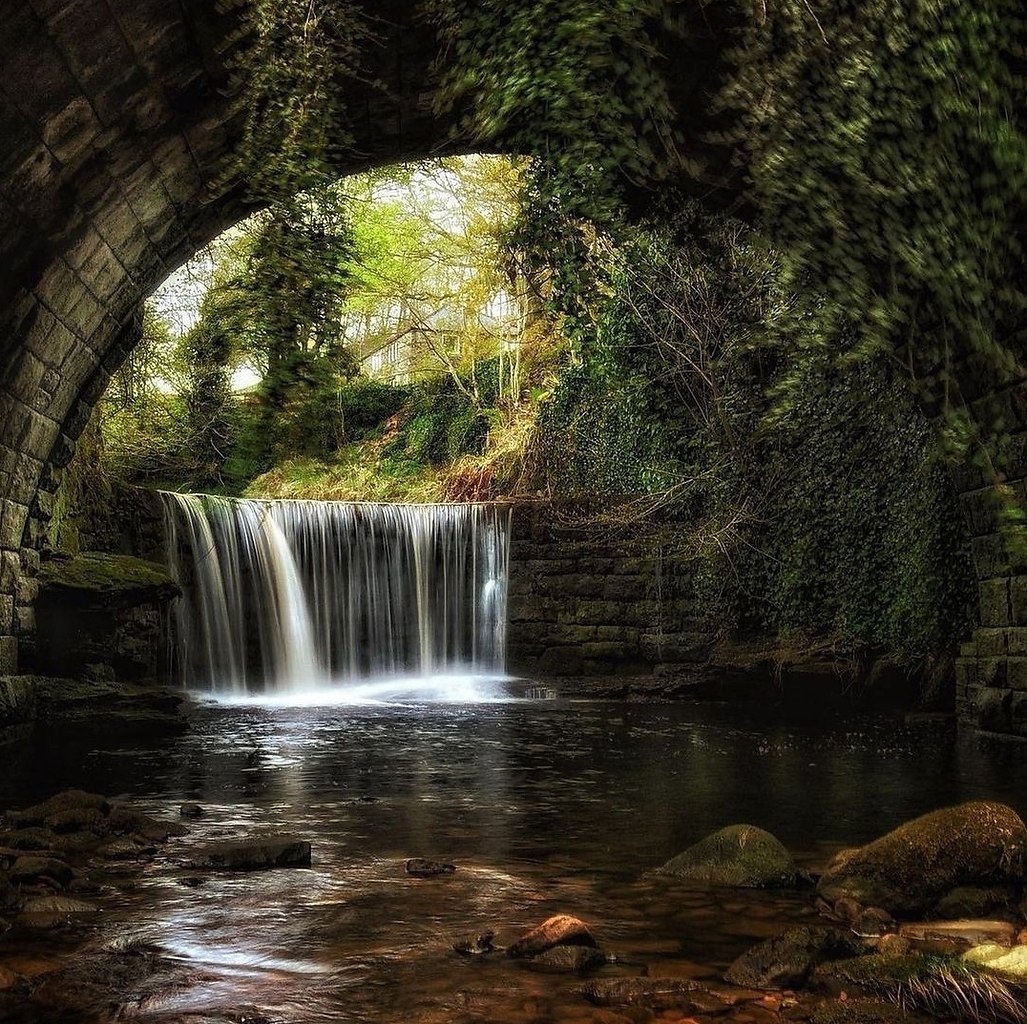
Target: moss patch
103,574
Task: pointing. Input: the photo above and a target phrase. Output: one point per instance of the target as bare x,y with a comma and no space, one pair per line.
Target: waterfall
283,596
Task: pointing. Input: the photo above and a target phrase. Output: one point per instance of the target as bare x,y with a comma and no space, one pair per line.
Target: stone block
1016,641
979,512
966,673
10,571
1018,713
6,614
991,642
24,620
1016,674
27,590
24,479
992,672
994,710
8,655
994,602
1018,600
12,524
990,557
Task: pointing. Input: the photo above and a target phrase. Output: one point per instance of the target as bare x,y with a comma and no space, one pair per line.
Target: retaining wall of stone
597,601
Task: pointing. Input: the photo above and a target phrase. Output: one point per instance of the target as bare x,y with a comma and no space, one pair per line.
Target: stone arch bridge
115,120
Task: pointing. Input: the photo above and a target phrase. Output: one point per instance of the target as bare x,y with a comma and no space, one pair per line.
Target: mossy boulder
110,705
742,856
69,804
913,870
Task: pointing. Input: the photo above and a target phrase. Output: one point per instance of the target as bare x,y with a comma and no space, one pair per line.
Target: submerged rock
743,856
255,855
788,959
191,811
422,868
653,994
569,959
58,905
912,869
48,912
559,930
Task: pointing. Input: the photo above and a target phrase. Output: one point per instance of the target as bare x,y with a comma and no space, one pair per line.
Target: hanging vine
294,64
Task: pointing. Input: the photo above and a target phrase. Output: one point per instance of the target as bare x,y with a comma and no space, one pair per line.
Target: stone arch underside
115,122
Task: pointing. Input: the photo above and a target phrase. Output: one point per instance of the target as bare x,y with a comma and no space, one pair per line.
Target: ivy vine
886,154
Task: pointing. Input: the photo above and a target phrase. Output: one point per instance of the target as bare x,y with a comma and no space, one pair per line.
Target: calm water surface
545,806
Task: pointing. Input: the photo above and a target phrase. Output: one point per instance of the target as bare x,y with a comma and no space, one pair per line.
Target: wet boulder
28,839
743,856
788,959
30,870
559,930
126,821
913,869
475,944
255,855
46,912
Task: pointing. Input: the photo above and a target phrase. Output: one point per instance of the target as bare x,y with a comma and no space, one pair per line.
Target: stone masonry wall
597,602
991,672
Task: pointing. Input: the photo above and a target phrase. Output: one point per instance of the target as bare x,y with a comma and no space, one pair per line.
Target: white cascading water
287,596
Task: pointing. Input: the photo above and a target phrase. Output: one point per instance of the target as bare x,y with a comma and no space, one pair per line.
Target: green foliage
278,295
576,82
445,422
367,403
828,516
293,69
887,160
598,435
858,537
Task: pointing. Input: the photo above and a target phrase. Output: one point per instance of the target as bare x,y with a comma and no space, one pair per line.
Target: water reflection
545,806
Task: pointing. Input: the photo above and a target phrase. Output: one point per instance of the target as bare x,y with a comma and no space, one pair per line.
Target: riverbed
544,806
